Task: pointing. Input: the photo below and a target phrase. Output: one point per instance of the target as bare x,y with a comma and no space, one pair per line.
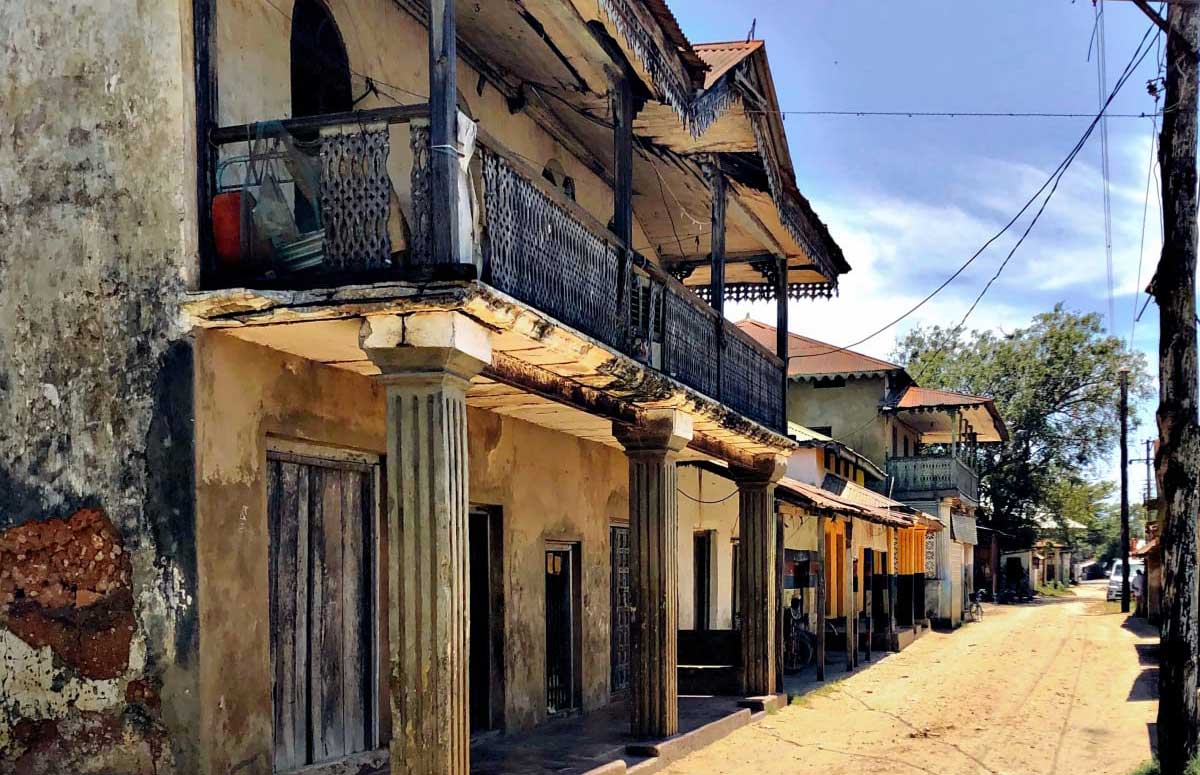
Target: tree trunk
1178,463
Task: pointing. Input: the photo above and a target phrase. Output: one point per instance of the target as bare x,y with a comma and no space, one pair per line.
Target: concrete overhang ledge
391,316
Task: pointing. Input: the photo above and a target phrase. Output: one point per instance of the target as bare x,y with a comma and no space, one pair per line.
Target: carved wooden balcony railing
544,250
943,473
535,244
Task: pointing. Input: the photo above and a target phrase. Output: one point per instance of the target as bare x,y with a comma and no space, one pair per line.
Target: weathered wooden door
622,608
323,553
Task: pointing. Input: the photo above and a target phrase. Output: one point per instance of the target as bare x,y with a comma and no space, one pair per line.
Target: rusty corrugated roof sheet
879,508
818,359
722,57
918,397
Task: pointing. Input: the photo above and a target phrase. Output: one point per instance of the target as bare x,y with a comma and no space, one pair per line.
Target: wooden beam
398,114
623,190
204,64
507,370
716,188
510,371
443,130
749,221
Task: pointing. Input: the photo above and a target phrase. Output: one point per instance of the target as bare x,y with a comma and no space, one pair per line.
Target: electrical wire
1052,180
1101,90
938,114
704,502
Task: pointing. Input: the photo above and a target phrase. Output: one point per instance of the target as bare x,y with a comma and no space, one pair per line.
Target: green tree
1056,384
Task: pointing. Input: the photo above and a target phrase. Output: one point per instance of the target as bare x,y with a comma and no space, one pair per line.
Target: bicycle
975,608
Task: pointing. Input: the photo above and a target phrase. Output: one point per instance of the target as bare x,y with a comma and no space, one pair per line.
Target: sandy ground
1063,686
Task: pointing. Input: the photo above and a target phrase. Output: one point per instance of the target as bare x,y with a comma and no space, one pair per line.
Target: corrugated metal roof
882,508
723,57
918,397
963,530
818,359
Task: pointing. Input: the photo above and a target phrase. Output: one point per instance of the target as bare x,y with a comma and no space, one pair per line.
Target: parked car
1114,579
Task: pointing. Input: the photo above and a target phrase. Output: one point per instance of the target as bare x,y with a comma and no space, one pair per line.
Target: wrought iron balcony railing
325,190
916,475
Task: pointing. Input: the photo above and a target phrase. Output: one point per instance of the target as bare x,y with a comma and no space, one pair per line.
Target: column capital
426,343
766,470
660,430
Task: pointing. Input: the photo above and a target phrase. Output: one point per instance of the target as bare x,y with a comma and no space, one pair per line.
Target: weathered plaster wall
551,487
244,394
851,412
97,212
722,519
390,46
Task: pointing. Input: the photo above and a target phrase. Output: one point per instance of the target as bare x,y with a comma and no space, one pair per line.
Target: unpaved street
1061,686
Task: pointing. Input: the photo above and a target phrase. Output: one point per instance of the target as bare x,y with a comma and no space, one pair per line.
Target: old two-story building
347,373
851,567
926,440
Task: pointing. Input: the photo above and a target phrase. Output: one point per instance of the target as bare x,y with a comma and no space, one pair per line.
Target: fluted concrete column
759,575
427,362
652,448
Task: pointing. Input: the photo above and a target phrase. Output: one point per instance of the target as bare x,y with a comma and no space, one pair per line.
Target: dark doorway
622,608
702,551
320,79
320,66
562,624
487,620
882,587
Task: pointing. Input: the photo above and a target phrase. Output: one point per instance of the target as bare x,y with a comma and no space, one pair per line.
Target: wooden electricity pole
1124,491
1178,459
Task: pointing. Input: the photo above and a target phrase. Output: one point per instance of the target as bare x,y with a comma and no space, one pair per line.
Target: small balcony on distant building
949,428
931,477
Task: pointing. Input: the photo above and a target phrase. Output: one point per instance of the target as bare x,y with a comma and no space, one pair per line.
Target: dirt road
1064,686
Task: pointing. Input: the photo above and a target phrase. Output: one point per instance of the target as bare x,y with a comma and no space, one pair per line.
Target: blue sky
909,199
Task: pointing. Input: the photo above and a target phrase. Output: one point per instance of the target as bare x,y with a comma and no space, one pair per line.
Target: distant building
924,439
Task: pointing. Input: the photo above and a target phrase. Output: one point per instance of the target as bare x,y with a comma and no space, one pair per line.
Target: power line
941,114
1101,90
1052,180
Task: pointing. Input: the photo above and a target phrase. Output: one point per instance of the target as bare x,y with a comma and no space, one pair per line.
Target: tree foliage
1056,384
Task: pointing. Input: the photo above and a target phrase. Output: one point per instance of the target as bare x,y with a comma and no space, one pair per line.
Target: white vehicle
1114,580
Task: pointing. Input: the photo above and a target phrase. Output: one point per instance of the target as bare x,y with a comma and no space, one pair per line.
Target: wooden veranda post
443,131
716,188
848,576
821,594
1178,463
623,188
781,333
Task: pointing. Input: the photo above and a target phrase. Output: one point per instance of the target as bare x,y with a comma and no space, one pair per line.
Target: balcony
920,477
332,217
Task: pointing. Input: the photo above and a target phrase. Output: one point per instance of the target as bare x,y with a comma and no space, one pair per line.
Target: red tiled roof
817,359
722,57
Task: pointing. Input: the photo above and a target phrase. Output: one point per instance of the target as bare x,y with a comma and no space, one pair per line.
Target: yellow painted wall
245,393
722,519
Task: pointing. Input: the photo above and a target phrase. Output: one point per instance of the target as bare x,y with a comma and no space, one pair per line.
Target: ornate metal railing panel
689,347
931,474
750,381
355,194
539,254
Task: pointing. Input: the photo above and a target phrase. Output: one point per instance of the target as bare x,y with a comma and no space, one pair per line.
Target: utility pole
1124,491
1178,459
